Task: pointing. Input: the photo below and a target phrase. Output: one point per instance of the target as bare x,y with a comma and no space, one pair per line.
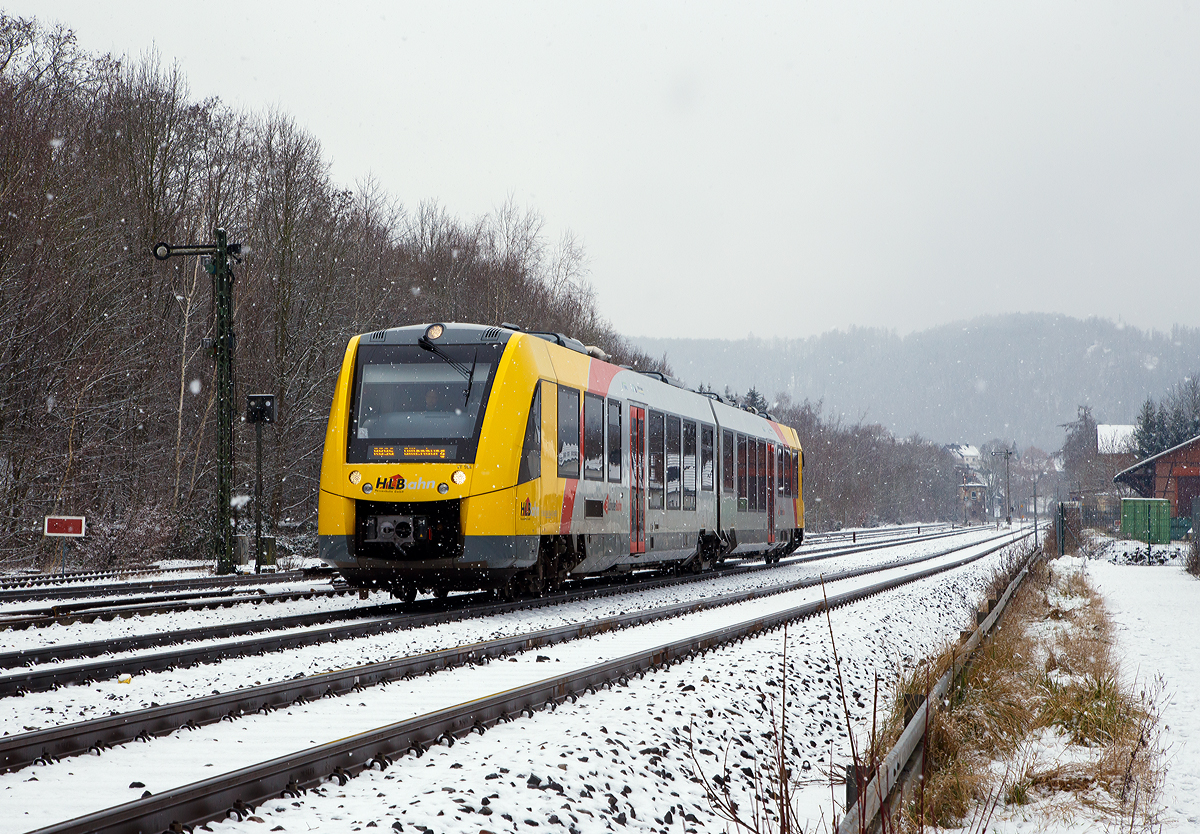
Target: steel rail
35,579
93,610
96,734
871,532
241,790
151,585
401,615
863,813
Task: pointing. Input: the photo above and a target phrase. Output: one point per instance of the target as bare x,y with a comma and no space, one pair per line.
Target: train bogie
462,457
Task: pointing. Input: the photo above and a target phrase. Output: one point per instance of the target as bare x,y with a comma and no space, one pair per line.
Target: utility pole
223,343
1035,513
1007,495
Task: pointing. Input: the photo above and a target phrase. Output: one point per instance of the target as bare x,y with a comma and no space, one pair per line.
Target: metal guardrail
239,791
864,813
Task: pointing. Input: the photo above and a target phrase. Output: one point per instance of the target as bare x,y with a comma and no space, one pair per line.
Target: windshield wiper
471,378
458,366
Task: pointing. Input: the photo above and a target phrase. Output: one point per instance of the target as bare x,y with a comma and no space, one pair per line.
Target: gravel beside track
378,702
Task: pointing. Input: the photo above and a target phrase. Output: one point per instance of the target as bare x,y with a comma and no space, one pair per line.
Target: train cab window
728,473
408,404
593,437
656,459
689,465
708,480
762,476
673,461
780,481
568,432
531,448
797,468
614,441
743,474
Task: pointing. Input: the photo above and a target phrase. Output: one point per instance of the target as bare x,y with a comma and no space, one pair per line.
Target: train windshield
411,404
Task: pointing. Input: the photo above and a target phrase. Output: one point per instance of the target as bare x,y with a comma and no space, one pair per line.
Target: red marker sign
65,525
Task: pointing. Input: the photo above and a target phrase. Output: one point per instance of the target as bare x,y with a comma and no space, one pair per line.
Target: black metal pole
1007,489
223,296
258,497
223,348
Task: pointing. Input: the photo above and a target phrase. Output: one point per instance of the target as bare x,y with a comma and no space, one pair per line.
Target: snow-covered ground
76,703
629,742
1156,611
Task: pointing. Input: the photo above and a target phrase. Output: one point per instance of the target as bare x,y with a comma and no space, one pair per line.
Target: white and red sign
65,525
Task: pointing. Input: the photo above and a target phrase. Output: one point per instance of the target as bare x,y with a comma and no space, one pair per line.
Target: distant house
1173,474
973,495
967,455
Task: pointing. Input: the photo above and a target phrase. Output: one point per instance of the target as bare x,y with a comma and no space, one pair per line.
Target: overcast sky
766,168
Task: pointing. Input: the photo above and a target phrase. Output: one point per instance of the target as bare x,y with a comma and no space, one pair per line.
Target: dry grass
1191,562
1046,678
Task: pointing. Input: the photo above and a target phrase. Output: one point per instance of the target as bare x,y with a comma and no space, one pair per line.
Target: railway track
157,585
355,622
223,594
246,787
90,611
49,579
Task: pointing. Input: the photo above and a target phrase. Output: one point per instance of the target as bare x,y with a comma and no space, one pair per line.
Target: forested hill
1016,377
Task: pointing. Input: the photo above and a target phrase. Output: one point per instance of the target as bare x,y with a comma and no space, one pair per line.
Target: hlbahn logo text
397,482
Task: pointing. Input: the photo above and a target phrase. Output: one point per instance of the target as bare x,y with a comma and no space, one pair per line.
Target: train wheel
441,593
408,593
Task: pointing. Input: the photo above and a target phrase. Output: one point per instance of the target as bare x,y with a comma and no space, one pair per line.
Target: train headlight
459,477
355,477
443,487
434,332
367,488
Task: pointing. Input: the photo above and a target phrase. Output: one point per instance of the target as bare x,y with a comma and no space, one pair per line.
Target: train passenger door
771,460
637,479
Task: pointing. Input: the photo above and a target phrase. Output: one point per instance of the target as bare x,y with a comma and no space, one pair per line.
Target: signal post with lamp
217,265
260,408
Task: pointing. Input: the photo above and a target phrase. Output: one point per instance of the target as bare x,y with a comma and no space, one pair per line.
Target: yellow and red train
461,456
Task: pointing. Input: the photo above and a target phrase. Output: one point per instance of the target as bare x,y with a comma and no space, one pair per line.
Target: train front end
420,466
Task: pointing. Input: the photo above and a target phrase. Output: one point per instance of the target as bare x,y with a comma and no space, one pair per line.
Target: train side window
673,461
531,448
743,475
568,432
762,476
787,473
593,437
780,480
689,465
656,459
614,441
752,474
728,472
708,479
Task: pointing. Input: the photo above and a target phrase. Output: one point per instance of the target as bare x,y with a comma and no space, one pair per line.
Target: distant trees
1171,421
755,400
106,390
861,475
